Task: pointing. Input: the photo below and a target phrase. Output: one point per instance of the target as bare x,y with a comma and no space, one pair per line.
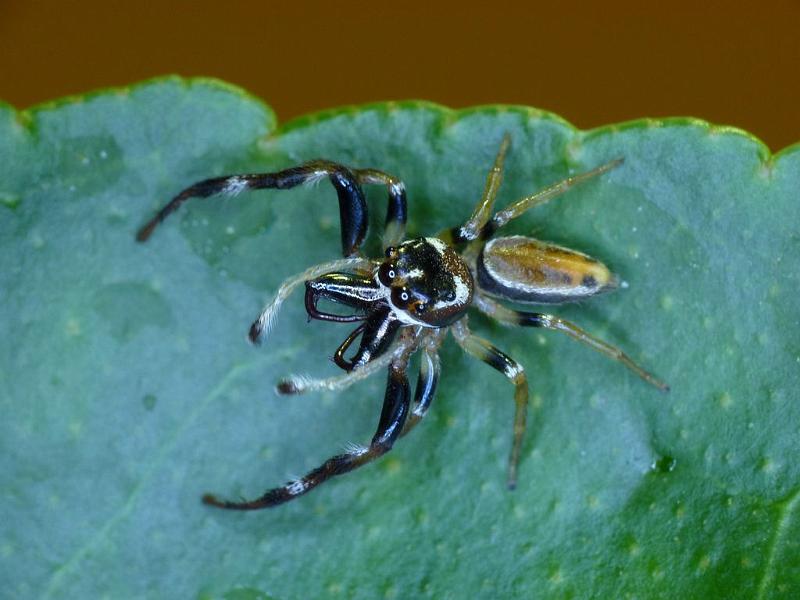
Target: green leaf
128,389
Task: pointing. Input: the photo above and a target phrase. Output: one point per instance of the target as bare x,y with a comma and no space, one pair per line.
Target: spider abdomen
528,270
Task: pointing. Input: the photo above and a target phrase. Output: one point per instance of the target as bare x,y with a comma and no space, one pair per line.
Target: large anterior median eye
401,297
386,273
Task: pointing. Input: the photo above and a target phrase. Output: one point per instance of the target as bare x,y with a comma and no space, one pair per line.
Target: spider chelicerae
407,301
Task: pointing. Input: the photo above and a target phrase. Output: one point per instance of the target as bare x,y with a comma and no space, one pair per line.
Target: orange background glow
736,64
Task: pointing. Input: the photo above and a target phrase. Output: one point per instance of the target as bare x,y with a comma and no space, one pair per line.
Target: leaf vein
786,508
69,565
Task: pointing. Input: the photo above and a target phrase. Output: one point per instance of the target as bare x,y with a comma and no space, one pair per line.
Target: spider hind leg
486,352
482,224
509,316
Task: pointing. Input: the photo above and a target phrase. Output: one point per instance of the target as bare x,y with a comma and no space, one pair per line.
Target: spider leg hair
552,191
300,384
263,324
407,344
480,215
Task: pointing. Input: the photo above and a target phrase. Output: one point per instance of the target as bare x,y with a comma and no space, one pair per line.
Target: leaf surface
128,389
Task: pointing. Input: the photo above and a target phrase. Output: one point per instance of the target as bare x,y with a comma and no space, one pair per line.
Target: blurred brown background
734,64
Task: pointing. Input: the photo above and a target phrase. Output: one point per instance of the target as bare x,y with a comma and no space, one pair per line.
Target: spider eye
420,308
387,273
401,297
390,250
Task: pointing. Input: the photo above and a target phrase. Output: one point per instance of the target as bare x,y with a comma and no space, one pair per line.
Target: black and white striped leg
427,381
483,350
352,205
377,333
393,416
396,211
532,319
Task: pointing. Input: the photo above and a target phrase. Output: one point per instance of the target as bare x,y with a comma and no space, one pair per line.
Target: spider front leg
483,350
532,319
347,182
390,425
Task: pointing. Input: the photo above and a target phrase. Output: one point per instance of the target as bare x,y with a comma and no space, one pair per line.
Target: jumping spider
423,287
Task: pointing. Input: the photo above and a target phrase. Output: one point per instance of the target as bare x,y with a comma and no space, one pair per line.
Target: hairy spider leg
427,382
407,343
480,226
393,416
262,325
531,319
522,205
352,205
300,384
485,351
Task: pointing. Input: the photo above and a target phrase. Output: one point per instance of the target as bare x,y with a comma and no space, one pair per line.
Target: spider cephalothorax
422,288
427,282
422,282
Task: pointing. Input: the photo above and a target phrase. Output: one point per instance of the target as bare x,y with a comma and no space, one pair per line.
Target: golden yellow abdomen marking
527,270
